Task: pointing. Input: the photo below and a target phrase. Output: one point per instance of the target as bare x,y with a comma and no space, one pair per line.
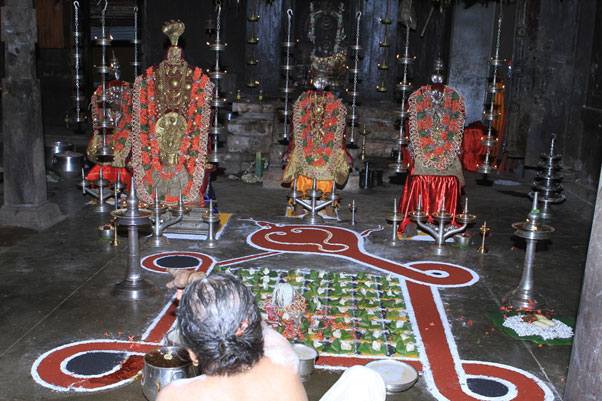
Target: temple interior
422,177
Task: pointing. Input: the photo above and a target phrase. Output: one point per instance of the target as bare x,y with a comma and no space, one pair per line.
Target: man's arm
279,350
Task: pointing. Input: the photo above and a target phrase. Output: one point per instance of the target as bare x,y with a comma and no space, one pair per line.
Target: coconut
283,295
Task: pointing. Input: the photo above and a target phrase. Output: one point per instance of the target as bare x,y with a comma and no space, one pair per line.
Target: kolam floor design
64,337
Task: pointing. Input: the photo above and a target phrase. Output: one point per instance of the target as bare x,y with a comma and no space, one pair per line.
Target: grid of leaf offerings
346,313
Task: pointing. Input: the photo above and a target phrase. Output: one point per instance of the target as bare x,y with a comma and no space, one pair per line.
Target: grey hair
221,323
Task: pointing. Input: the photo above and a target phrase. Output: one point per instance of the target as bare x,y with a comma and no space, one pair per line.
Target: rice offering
547,332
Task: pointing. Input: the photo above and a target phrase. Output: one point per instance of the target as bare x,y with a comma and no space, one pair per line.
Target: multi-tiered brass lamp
216,75
384,44
78,98
253,40
548,181
404,87
490,114
288,88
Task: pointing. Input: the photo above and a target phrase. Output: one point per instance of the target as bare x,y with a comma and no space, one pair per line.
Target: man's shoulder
182,389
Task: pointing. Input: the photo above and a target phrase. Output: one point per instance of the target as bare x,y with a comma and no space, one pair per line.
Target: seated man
317,149
240,358
221,327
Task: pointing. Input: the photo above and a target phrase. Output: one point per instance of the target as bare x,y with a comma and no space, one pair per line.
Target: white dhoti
358,383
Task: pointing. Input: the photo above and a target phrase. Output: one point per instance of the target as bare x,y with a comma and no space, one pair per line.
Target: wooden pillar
584,381
269,49
470,51
25,199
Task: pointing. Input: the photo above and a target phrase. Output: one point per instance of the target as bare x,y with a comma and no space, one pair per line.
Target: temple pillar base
38,217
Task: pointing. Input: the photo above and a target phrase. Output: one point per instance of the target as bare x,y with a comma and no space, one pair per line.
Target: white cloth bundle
358,383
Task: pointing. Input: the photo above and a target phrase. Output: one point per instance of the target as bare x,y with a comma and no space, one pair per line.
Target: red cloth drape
110,173
432,188
473,151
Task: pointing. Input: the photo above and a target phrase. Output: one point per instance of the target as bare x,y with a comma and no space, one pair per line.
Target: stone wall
381,128
256,128
248,133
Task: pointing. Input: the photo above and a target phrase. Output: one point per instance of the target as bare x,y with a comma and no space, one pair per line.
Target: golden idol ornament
173,30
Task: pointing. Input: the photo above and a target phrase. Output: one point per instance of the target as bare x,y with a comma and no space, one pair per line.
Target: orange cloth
304,183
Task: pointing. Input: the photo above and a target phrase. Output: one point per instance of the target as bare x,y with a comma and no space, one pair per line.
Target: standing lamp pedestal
133,286
211,219
532,230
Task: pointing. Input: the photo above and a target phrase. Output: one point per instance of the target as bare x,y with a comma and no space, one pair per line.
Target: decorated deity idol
436,128
117,111
323,48
170,120
317,149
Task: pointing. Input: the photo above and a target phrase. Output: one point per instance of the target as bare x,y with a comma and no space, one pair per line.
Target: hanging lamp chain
358,17
77,65
289,16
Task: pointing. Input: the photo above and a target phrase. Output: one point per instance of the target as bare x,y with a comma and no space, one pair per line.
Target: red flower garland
436,153
319,161
193,148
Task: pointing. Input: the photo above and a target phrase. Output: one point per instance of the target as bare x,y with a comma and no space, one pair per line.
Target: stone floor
55,284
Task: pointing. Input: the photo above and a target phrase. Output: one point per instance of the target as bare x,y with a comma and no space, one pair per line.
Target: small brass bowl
307,360
462,239
106,232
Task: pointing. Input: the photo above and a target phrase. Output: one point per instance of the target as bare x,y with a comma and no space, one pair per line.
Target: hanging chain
497,45
406,54
217,40
135,41
355,73
102,15
77,66
495,65
499,32
218,28
289,16
103,35
218,8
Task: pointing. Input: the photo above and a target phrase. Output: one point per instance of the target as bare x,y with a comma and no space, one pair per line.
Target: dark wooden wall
195,14
50,23
583,126
555,85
